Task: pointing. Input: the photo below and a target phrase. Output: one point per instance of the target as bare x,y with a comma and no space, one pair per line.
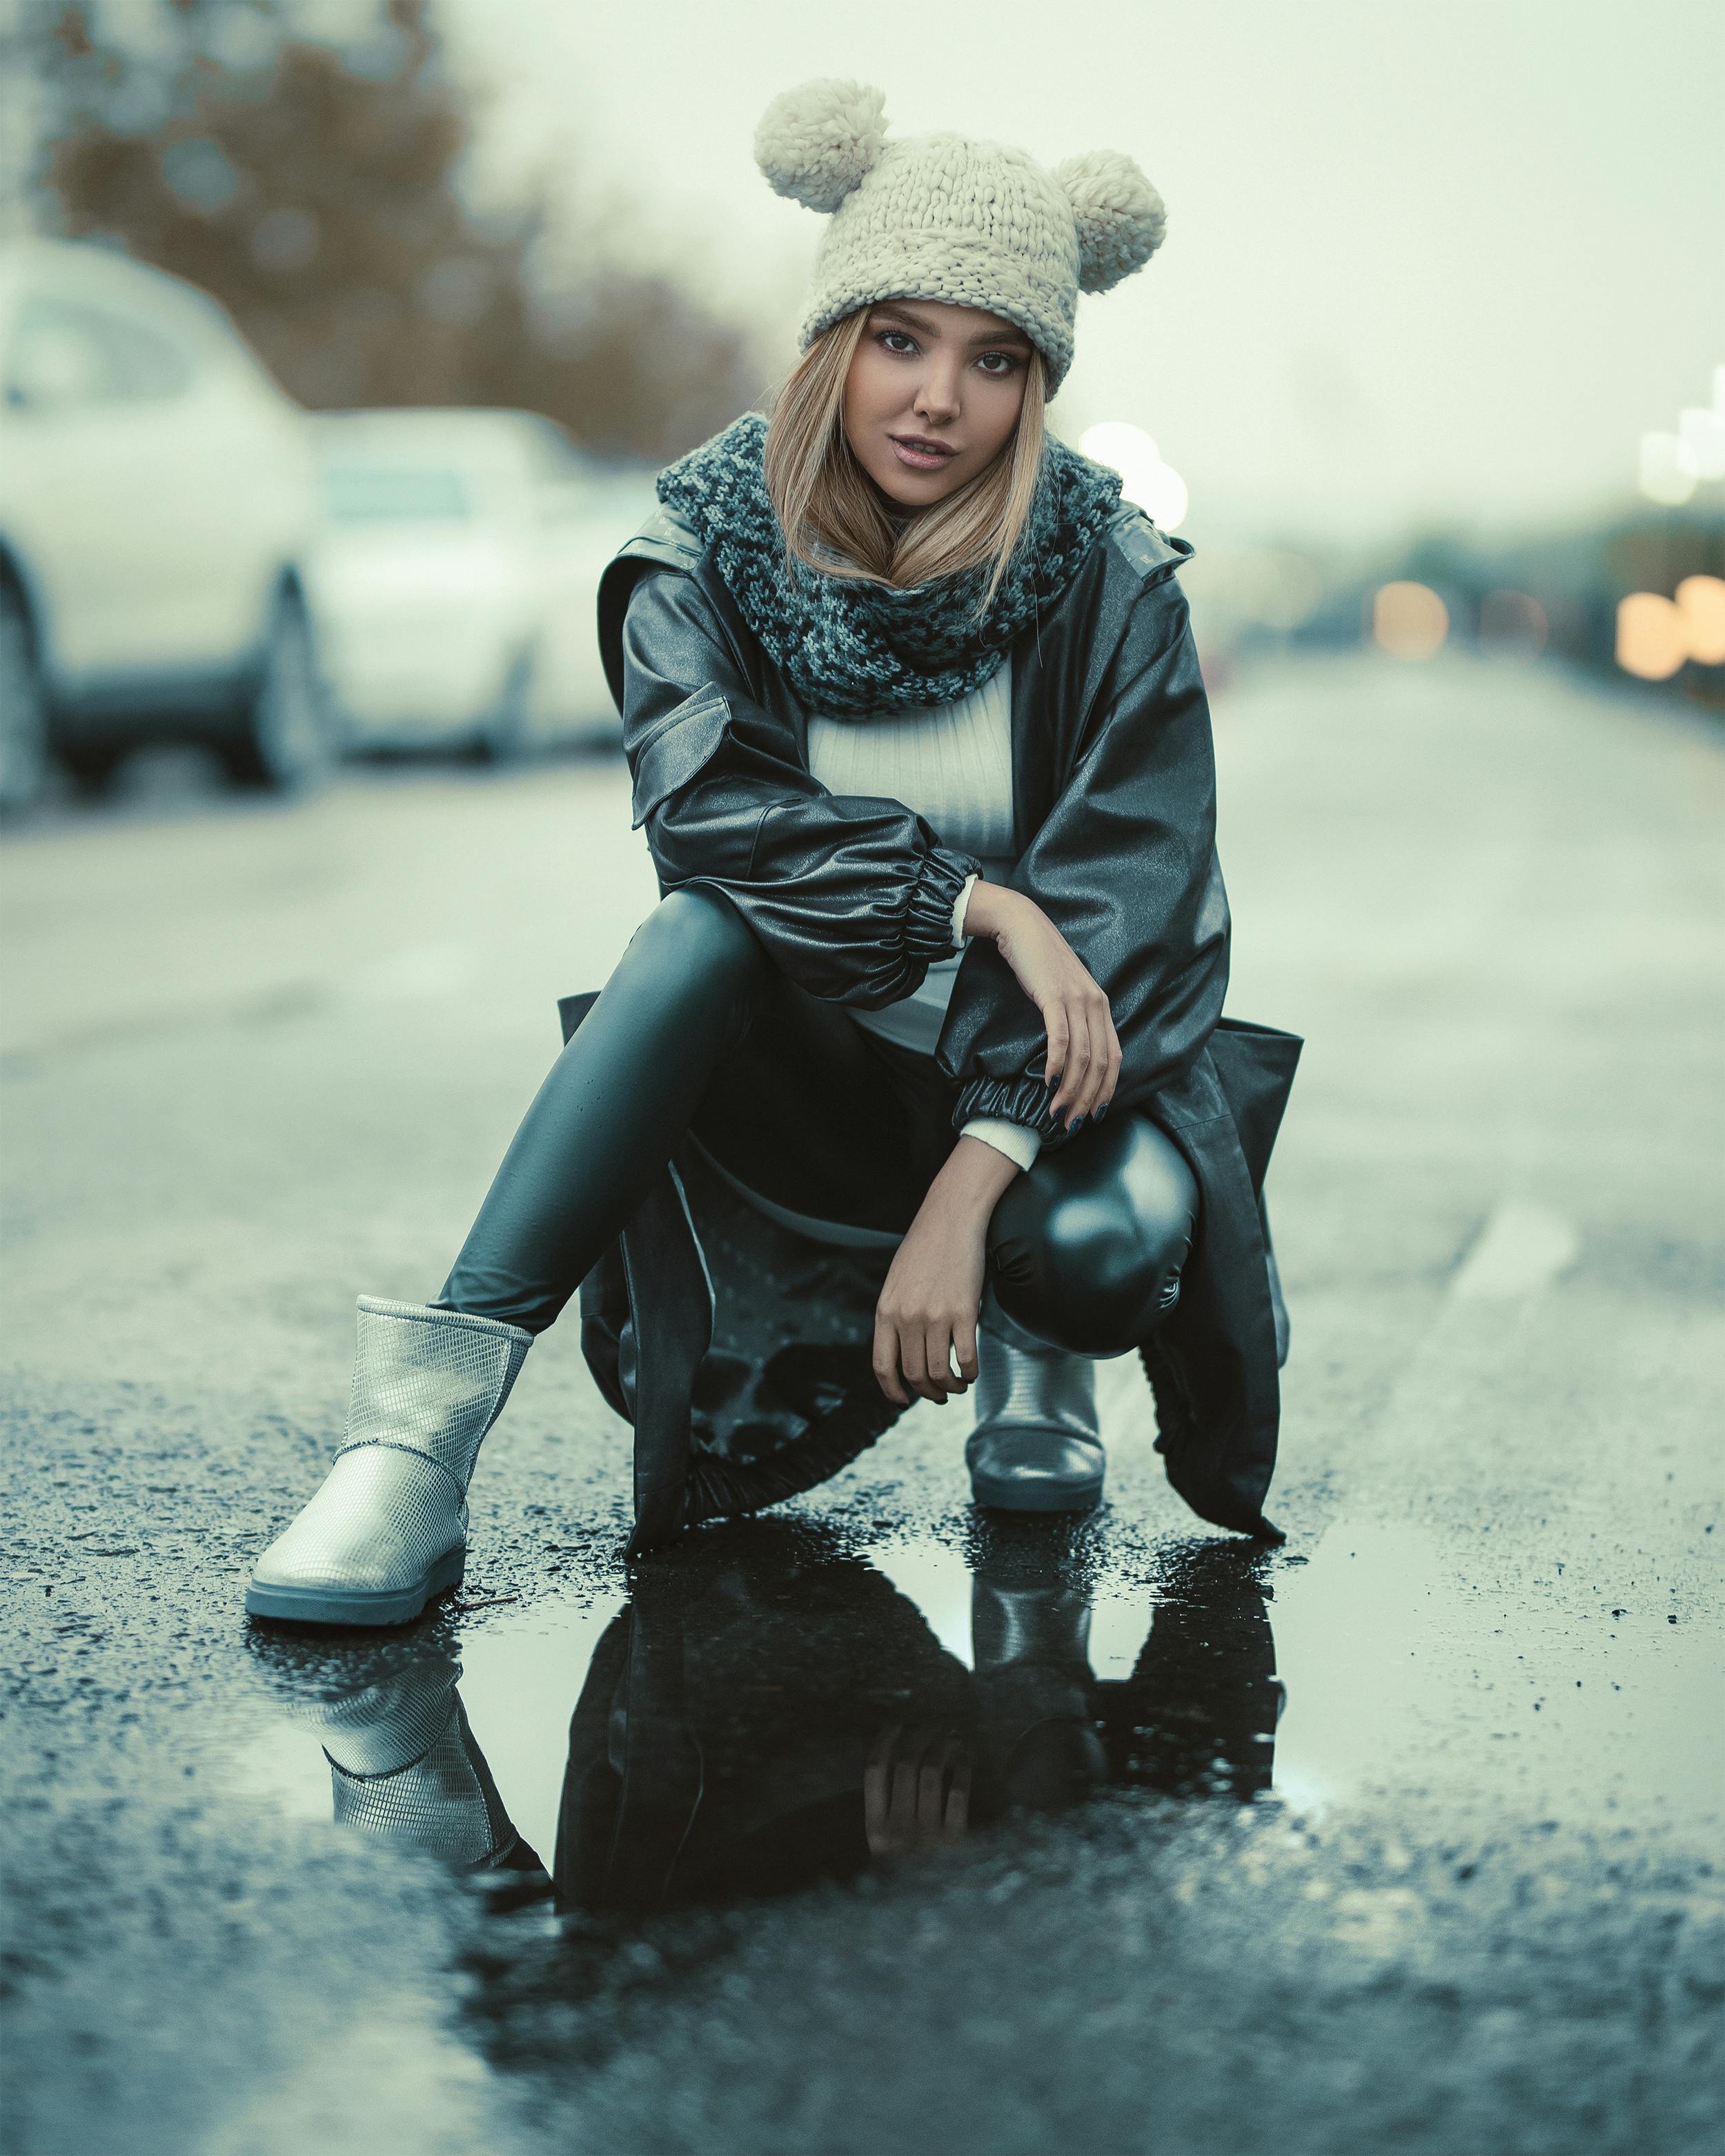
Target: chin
916,491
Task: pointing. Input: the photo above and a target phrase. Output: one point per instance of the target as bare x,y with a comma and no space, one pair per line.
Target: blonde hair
824,500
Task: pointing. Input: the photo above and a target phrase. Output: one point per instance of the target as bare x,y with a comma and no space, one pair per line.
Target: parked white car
455,584
155,502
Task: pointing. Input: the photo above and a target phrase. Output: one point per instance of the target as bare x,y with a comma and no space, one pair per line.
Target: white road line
1520,1249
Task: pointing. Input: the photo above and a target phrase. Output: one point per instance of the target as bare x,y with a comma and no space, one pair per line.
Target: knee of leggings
1095,1265
698,934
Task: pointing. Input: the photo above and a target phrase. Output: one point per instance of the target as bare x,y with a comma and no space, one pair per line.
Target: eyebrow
930,328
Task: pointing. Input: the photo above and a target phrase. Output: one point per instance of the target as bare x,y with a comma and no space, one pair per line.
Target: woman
921,748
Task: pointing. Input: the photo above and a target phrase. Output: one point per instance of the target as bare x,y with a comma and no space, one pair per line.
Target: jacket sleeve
1125,866
852,897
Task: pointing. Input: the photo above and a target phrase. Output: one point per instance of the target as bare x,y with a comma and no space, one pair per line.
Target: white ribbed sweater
951,763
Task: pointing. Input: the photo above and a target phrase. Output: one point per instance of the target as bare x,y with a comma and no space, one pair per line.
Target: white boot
1036,1446
388,1530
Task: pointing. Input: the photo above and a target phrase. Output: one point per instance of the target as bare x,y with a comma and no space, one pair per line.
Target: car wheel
286,737
91,764
504,735
24,709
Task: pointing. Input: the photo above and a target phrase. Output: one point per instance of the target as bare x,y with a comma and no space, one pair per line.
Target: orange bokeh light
1701,602
1409,621
1652,640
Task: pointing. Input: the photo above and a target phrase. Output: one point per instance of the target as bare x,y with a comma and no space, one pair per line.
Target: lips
920,454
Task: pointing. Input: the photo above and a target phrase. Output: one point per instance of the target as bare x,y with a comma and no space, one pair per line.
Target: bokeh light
1701,603
1155,487
1409,620
1701,428
1652,642
1668,470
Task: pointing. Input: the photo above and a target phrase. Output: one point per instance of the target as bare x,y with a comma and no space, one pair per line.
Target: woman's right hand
1083,1047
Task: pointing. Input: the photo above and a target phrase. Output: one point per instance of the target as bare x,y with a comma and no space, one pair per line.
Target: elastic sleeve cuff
1022,1101
928,917
1021,1146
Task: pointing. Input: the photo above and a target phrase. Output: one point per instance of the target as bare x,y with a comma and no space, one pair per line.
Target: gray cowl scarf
851,648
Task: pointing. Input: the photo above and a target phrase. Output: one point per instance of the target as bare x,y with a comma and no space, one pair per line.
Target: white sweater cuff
1019,1145
958,906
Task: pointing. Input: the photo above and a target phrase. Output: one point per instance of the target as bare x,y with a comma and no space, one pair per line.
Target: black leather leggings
697,1030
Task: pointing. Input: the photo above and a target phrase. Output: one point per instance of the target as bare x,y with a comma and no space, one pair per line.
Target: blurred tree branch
314,188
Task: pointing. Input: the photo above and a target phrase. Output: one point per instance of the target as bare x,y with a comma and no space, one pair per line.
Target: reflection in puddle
1354,1636
771,1710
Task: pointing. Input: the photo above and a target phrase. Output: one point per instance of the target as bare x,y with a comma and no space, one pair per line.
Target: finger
901,1815
964,1341
913,1361
1077,1061
959,1797
1058,1043
1112,1078
930,1806
931,1790
885,1362
940,1359
876,1786
1092,1091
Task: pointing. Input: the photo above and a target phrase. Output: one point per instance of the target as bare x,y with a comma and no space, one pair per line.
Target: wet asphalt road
1404,1838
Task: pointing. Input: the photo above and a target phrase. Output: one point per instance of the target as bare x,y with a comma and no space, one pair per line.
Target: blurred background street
339,345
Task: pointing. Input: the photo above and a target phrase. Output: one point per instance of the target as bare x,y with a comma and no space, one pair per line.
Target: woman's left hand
928,1308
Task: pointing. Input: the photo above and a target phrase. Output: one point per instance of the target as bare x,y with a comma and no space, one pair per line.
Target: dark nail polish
1075,1122
1102,1111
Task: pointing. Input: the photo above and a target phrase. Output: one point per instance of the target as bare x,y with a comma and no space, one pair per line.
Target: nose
937,398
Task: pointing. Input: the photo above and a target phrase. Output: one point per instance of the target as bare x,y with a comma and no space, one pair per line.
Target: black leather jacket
1114,809
1113,799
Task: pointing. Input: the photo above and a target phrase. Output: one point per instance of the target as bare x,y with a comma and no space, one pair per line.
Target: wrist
991,910
974,1177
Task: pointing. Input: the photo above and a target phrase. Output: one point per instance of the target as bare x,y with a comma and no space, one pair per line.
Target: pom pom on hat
1119,216
819,141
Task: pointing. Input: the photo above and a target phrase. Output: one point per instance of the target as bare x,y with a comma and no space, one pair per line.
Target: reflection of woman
733,1739
900,679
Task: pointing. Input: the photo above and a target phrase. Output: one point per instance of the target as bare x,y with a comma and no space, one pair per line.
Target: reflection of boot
388,1530
404,1764
1031,1638
1035,1447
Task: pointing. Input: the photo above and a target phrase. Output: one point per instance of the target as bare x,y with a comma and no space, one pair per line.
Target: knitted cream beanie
942,217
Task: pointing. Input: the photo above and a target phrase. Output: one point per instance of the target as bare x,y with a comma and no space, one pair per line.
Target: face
932,396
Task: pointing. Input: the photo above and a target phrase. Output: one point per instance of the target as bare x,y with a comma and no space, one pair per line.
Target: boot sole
323,1605
1009,1495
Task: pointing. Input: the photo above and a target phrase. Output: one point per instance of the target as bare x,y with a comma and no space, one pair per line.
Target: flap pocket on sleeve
676,751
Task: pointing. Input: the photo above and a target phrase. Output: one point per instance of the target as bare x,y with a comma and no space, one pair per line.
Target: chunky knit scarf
850,648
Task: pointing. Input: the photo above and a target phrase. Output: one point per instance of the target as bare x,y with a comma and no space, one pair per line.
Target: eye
1008,363
906,343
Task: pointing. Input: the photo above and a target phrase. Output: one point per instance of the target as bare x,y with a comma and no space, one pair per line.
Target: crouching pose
917,1078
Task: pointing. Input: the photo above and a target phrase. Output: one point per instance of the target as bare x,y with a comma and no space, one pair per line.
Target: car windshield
371,493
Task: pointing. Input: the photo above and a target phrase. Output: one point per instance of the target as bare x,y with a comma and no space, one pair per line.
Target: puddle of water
1354,1647
518,1680
1399,1673
772,1708
941,1583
